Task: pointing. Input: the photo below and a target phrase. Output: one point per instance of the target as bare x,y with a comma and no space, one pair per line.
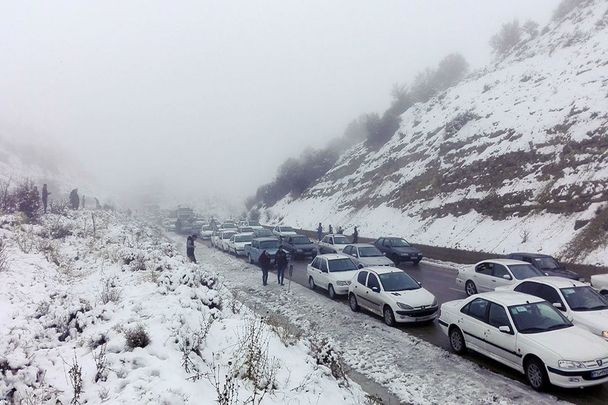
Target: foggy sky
202,98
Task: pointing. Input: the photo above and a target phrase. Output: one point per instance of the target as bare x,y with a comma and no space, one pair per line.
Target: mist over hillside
513,157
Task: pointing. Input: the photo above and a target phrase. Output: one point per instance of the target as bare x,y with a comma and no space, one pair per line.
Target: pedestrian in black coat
355,235
190,248
264,261
45,197
281,261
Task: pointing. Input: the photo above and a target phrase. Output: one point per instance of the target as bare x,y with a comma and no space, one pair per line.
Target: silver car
365,254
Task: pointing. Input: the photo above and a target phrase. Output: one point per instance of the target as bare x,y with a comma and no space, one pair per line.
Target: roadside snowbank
122,317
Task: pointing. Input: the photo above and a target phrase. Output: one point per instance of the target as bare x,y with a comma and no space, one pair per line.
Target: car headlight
342,283
605,334
403,306
434,304
569,364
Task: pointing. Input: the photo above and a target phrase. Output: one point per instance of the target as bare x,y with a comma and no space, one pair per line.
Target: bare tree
508,36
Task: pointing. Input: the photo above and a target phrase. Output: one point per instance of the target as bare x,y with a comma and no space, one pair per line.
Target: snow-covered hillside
114,314
513,158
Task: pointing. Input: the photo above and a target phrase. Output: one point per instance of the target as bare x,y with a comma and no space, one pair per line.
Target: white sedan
283,231
237,243
392,294
333,243
528,334
332,272
489,274
580,303
223,240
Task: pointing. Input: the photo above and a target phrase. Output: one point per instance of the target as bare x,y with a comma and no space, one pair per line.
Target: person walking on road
355,235
45,197
265,265
281,261
319,232
190,248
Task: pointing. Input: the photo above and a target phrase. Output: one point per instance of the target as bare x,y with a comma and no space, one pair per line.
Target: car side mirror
505,329
507,277
559,306
360,266
376,289
419,283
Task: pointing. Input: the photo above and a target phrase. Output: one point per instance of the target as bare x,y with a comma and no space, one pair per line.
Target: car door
499,274
372,293
502,345
378,244
323,273
314,269
359,288
323,245
474,323
481,276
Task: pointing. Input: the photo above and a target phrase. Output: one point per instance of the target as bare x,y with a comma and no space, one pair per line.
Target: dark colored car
545,263
299,246
398,250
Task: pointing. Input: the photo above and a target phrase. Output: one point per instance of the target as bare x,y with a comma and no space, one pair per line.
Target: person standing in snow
355,235
45,196
331,229
190,248
340,230
74,199
281,261
265,265
319,232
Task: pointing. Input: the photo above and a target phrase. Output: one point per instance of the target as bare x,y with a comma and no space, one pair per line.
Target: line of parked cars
525,311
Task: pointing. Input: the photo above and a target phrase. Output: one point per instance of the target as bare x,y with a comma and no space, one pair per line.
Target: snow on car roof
266,238
382,269
361,245
334,256
557,282
506,262
508,298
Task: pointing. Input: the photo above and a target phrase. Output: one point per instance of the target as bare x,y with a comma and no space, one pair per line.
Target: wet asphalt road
441,281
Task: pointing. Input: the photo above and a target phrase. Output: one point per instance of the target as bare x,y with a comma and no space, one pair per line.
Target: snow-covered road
412,369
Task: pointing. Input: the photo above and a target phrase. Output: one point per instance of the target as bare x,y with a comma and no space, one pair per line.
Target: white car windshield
244,238
341,265
269,244
537,317
227,235
300,240
369,251
207,228
340,240
398,281
546,263
524,271
286,229
584,299
399,243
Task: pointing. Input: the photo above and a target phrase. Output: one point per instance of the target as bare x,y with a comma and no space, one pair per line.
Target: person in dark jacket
331,229
355,235
74,199
319,232
265,265
45,197
190,248
281,261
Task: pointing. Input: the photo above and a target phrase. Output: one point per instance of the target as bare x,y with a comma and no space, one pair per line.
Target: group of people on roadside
280,260
340,231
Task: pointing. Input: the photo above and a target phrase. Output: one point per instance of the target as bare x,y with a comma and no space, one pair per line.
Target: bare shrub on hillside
59,207
7,200
506,39
109,291
256,363
75,378
564,8
137,337
326,355
289,333
3,256
226,387
191,342
25,239
27,199
101,364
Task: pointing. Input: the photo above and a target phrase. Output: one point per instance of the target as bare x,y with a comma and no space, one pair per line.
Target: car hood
343,275
376,261
572,343
561,273
595,321
340,248
272,252
241,244
413,298
288,233
406,250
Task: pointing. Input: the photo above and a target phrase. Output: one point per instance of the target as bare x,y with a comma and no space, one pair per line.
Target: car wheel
389,317
457,341
352,302
470,288
536,374
311,283
395,259
331,292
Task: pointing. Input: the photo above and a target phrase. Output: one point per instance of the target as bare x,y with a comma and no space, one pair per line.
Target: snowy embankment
121,317
415,371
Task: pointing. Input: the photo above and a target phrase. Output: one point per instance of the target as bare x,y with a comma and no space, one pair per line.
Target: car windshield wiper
531,330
